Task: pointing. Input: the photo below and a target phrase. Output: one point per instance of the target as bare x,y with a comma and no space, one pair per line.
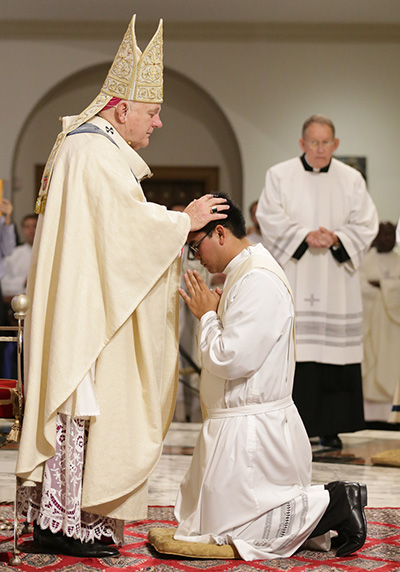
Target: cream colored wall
265,90
30,69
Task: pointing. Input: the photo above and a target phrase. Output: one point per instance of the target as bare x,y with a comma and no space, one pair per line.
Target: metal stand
20,305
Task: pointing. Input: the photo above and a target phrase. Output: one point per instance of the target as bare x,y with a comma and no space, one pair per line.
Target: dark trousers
337,512
329,397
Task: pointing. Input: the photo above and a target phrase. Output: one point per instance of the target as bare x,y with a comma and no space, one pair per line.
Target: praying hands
199,297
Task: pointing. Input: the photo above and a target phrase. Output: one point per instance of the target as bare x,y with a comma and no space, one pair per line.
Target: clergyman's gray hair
321,119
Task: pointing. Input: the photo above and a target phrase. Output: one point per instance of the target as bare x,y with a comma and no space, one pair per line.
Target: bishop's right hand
204,210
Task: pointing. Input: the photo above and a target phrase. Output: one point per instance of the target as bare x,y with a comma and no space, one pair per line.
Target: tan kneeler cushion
163,541
390,458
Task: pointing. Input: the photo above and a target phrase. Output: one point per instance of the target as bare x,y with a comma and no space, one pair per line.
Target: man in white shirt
17,265
249,483
7,232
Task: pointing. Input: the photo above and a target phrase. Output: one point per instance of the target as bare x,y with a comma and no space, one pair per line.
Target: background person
16,269
16,266
7,245
318,221
380,285
254,231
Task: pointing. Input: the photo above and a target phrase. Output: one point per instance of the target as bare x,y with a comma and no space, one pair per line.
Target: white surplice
381,364
327,293
249,483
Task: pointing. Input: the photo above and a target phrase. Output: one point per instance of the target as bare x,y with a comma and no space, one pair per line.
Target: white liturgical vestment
327,293
381,364
101,336
249,480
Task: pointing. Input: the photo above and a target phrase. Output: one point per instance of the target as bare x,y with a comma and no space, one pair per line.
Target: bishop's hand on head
204,210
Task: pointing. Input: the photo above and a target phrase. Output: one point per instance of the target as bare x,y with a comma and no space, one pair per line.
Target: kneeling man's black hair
234,222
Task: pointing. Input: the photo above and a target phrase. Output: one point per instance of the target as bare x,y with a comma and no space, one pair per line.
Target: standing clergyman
318,220
102,334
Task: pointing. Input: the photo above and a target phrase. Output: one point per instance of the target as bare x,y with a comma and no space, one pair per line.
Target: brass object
20,305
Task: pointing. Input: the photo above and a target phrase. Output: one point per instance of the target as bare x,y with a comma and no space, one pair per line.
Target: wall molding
204,31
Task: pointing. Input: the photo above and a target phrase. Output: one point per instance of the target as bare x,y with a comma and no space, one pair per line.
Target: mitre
133,75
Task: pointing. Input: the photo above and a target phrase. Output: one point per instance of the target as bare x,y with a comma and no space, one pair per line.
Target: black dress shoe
331,441
58,543
354,529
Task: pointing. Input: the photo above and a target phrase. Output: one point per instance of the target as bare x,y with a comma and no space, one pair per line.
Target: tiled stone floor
352,463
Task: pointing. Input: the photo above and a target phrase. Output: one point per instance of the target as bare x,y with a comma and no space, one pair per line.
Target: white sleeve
281,234
257,310
361,226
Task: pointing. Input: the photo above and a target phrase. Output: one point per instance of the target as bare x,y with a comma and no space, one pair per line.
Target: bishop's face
141,120
318,145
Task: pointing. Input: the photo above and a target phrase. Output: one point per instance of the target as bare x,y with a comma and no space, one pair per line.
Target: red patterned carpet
381,552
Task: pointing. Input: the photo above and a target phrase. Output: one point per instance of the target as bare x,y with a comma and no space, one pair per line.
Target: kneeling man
249,483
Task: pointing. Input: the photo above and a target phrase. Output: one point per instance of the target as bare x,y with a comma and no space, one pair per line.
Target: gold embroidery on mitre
122,73
149,82
133,75
137,76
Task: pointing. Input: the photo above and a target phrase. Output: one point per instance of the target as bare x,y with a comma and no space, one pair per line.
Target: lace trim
55,504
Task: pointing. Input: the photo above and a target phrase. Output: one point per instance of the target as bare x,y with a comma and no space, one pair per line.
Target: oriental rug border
381,552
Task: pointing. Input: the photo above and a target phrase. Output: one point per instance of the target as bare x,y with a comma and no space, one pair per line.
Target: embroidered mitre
133,75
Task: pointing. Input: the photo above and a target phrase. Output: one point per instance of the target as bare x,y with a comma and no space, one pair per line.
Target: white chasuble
103,291
250,476
326,292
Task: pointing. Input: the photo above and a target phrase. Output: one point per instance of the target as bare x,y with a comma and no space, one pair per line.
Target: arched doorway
196,133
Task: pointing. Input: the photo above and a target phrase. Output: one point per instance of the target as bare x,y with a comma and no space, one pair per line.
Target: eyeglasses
195,247
316,144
